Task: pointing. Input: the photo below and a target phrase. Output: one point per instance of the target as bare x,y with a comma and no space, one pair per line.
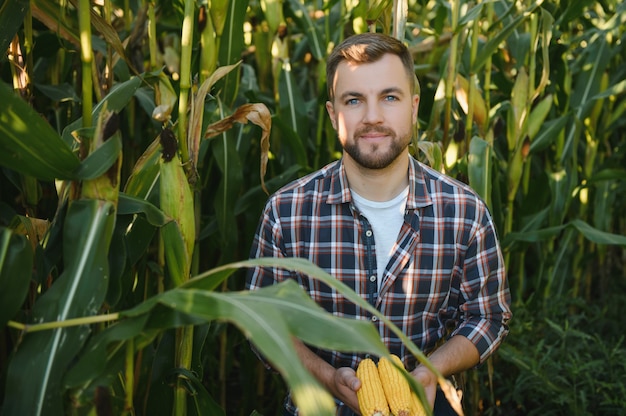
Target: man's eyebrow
394,90
385,91
350,94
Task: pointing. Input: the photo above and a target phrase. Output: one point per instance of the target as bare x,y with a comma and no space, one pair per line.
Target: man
418,245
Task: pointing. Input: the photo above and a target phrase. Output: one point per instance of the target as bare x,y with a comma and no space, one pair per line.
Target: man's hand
456,355
344,387
341,382
428,380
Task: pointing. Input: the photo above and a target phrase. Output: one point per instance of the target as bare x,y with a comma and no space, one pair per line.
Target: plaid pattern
446,272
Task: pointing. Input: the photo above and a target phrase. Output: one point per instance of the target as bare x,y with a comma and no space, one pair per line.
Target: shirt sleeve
485,312
267,242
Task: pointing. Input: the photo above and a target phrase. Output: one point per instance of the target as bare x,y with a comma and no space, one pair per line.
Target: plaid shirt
445,277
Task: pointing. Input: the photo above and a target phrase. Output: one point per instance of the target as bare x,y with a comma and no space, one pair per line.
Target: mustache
374,129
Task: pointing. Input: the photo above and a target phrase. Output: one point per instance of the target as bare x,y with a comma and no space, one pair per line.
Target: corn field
140,139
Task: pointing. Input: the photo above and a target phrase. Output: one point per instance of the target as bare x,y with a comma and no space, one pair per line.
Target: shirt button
372,278
374,318
368,233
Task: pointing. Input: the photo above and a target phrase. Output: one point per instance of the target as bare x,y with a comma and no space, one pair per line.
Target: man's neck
378,184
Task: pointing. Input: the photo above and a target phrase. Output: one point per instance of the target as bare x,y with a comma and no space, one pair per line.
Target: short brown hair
367,48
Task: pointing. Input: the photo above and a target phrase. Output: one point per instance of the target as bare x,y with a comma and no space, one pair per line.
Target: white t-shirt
386,220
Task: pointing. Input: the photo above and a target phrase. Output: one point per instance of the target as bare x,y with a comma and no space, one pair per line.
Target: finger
348,378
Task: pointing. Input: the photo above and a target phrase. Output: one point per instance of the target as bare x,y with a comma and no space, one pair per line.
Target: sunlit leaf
29,144
316,41
478,168
496,40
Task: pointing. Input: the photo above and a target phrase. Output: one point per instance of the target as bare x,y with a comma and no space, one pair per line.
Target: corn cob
371,396
417,408
176,201
396,387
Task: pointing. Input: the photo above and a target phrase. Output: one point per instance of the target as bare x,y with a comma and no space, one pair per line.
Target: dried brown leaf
256,113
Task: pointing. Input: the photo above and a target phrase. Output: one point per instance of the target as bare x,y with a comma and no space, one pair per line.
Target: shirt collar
418,188
339,190
419,196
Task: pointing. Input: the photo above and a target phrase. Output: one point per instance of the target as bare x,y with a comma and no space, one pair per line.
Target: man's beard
375,158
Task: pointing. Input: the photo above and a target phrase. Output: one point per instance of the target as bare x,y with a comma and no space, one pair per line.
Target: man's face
373,111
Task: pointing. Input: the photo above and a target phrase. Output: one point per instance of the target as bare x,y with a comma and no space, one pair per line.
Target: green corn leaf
40,361
306,267
54,17
231,45
377,8
538,116
471,15
282,127
16,262
143,180
103,356
614,90
292,105
608,175
129,204
100,160
560,189
29,145
12,15
218,10
273,12
547,24
586,86
58,93
598,236
268,317
227,159
549,133
300,14
286,306
572,11
115,101
433,153
590,233
494,42
264,324
478,168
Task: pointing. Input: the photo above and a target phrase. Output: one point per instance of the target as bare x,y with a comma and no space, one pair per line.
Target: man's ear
330,109
416,105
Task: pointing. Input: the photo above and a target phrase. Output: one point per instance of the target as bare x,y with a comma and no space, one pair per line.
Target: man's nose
373,114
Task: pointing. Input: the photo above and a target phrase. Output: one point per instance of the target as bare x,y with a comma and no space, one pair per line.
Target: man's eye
391,98
352,101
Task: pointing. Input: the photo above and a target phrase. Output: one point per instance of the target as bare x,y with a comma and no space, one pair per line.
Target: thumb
348,377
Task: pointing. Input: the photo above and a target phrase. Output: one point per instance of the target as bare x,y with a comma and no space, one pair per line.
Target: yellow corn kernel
371,396
417,408
396,387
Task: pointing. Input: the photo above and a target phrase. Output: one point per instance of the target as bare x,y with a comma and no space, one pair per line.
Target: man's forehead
380,75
